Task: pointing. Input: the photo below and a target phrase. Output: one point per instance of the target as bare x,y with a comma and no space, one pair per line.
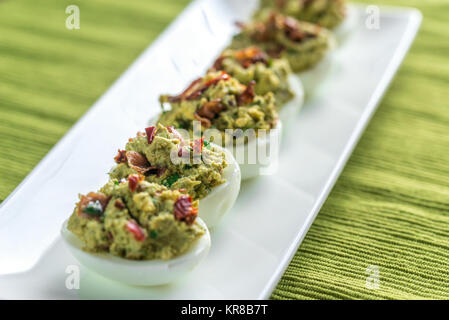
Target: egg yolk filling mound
253,64
136,219
219,101
327,13
162,155
303,44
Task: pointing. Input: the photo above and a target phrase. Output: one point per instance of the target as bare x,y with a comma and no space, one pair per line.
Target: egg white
252,170
139,272
289,110
222,198
348,26
314,77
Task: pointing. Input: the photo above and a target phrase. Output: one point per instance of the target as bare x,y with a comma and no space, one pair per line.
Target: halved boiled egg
289,110
260,154
314,77
222,198
139,272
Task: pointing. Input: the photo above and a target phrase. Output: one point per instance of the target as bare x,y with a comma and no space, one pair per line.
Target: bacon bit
156,170
218,64
266,31
196,94
251,55
121,157
208,112
160,171
119,204
136,230
182,190
195,89
222,76
184,211
138,162
276,51
198,145
151,131
134,180
248,95
260,33
204,121
292,30
92,197
190,89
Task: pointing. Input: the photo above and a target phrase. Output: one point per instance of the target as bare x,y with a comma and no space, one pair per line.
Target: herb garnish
170,180
154,234
93,208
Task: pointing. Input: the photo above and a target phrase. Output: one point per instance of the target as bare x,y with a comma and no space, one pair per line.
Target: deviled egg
270,75
163,155
326,13
137,232
334,15
228,113
303,44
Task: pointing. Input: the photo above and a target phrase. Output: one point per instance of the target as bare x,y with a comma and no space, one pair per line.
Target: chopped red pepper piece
151,131
184,211
134,180
136,230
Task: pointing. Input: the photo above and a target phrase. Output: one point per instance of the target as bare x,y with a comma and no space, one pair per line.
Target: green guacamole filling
136,219
219,101
253,64
326,13
194,166
303,44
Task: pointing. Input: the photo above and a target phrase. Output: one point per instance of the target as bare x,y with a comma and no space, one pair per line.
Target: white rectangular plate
257,239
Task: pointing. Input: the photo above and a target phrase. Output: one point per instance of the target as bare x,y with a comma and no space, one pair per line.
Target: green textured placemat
390,207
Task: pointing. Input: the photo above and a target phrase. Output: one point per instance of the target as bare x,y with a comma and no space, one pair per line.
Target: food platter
256,240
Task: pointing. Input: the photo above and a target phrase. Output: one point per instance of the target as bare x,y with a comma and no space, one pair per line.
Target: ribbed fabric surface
389,211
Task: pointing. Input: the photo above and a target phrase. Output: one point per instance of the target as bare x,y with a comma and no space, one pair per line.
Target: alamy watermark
72,281
256,147
73,20
373,280
372,21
